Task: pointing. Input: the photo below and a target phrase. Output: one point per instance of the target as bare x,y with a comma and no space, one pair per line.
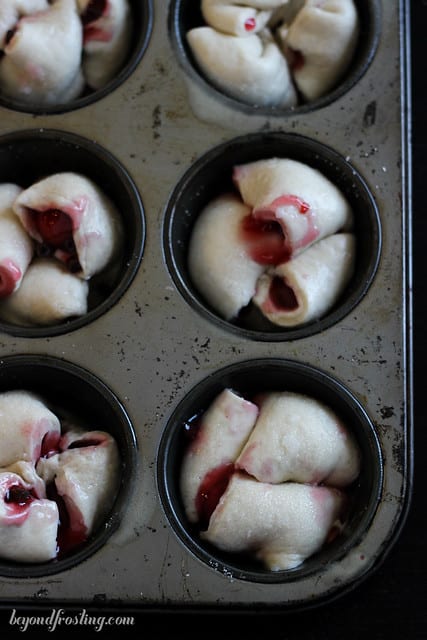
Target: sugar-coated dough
42,59
325,33
16,247
251,69
97,229
48,294
107,42
281,524
86,476
300,198
24,421
297,438
27,531
306,287
239,17
221,435
218,263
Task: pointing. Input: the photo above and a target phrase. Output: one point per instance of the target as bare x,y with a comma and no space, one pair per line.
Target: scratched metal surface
151,348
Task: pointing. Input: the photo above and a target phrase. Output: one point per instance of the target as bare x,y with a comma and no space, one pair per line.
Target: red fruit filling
9,276
19,496
264,240
282,295
71,532
94,10
298,60
210,491
250,24
50,444
78,444
55,227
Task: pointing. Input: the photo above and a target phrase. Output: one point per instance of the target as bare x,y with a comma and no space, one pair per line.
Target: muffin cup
142,17
183,16
73,392
211,175
263,375
28,156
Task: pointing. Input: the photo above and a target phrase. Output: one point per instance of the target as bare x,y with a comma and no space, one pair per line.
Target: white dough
325,32
97,228
223,431
218,262
298,439
300,198
281,524
12,10
16,246
86,477
48,294
239,17
317,277
250,69
41,62
106,42
24,421
27,533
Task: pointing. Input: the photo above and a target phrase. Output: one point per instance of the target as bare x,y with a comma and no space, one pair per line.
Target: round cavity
29,156
72,392
247,379
183,16
142,24
211,176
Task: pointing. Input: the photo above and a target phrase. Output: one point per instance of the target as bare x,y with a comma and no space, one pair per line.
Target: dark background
392,602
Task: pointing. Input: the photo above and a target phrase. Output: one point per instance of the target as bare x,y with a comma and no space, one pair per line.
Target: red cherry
250,24
55,227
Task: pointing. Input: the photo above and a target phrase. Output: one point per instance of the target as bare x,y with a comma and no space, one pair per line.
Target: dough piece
305,204
299,439
27,427
48,294
251,69
89,229
86,474
41,61
16,247
208,462
12,10
218,263
306,287
239,17
28,525
282,525
324,34
107,39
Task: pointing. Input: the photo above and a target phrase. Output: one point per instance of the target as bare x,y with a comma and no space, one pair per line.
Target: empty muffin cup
266,61
77,188
63,411
233,269
95,46
249,380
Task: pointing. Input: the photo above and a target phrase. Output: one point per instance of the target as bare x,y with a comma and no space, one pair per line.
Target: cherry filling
298,60
55,227
94,10
265,240
250,24
210,491
10,273
282,296
19,496
50,444
70,534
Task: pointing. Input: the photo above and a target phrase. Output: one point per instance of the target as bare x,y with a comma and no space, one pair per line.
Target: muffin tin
150,355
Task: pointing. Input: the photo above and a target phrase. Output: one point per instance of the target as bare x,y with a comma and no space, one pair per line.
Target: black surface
392,603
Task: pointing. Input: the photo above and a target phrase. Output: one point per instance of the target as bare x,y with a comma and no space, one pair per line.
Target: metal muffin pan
150,353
